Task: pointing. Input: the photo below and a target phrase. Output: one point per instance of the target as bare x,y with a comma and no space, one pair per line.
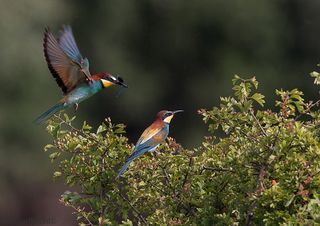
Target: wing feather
68,44
151,131
66,72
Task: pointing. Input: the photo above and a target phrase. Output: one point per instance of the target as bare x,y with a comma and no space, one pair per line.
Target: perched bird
152,137
71,72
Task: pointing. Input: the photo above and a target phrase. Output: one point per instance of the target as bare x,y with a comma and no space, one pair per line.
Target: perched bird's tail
128,161
46,115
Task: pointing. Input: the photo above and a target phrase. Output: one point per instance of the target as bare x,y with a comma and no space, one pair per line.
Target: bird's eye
167,114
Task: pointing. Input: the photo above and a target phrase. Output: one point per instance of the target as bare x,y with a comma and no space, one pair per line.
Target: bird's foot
76,107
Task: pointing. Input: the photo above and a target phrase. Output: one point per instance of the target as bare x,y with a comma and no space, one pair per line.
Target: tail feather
128,161
46,115
124,168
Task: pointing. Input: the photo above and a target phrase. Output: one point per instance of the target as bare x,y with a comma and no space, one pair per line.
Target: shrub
258,166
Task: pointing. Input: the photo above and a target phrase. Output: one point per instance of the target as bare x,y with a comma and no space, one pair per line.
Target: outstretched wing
69,46
66,72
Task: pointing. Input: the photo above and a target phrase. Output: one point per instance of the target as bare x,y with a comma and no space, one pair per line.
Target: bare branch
187,173
257,121
134,209
75,129
79,211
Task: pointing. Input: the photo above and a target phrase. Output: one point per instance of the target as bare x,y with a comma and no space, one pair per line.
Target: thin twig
134,209
167,178
82,214
257,121
260,178
187,174
75,129
259,190
82,133
217,169
309,107
102,196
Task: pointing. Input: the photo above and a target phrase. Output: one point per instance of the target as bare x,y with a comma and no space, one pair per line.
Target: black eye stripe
167,114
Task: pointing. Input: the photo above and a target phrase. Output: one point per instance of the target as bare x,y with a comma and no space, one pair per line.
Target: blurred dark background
173,54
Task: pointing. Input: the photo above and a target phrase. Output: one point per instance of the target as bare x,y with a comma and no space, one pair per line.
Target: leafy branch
256,165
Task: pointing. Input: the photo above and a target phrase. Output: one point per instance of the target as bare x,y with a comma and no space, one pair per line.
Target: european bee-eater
152,137
71,72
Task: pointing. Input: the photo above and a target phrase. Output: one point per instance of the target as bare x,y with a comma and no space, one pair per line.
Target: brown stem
187,174
258,191
75,129
217,169
308,109
134,209
257,121
80,212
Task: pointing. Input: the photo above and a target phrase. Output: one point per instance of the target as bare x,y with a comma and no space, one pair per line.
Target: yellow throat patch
168,119
106,83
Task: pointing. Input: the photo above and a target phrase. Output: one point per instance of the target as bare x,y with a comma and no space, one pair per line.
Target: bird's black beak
177,111
120,82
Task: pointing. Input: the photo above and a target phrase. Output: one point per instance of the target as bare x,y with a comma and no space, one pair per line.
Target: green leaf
54,155
259,98
48,147
57,174
316,76
101,129
86,126
288,203
120,129
55,131
235,79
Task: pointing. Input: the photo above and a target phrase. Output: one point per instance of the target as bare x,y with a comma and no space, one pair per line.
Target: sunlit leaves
259,98
256,165
316,76
270,156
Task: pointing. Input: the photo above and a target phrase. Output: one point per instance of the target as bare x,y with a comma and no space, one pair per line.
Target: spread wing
69,46
67,72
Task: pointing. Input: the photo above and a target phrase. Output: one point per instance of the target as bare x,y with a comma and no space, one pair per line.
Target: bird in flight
71,72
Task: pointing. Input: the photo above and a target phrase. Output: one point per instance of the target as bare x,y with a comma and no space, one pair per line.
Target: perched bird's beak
177,111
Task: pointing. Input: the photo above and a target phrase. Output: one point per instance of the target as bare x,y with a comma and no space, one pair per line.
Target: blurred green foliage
264,170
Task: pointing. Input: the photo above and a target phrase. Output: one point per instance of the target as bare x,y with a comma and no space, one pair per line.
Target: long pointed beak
121,82
177,111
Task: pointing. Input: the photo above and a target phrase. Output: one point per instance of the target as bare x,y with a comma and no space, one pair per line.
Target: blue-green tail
124,168
132,157
46,115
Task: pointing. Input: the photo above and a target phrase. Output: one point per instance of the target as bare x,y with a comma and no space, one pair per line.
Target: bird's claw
76,107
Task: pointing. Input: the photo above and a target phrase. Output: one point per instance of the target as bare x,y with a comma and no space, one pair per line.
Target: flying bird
152,137
71,72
